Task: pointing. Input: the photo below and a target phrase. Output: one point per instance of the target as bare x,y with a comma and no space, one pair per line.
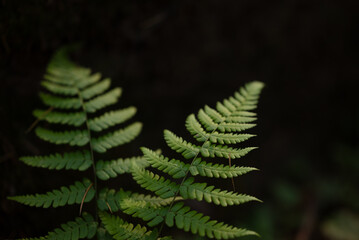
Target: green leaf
217,170
117,138
83,227
175,168
188,150
59,89
60,102
112,118
79,160
96,89
74,119
184,218
103,100
60,197
188,190
122,230
111,169
195,128
210,125
73,138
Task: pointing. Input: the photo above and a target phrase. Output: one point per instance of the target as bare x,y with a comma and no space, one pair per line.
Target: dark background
171,58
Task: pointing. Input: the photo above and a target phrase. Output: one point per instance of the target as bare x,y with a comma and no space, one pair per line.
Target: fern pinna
75,97
215,131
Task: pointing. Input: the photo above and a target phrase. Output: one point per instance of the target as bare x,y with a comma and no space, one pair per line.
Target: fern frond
178,169
154,200
218,118
112,118
79,160
96,89
103,100
82,227
59,89
188,190
74,119
110,199
155,183
175,168
122,230
210,150
110,169
73,138
189,150
184,218
195,128
205,169
60,197
117,138
86,80
210,125
60,102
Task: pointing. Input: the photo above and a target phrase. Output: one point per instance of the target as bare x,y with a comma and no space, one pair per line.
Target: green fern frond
117,138
59,89
195,128
188,190
184,218
111,169
96,89
79,160
189,150
215,129
60,197
82,228
154,200
60,102
205,169
110,199
211,150
210,125
122,230
103,100
84,82
175,168
112,118
241,117
178,169
73,137
74,119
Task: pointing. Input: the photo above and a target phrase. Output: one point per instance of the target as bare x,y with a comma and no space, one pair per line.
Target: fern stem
186,174
91,152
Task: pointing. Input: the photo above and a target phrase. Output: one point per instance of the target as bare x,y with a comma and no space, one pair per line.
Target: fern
74,96
84,227
60,197
77,117
216,131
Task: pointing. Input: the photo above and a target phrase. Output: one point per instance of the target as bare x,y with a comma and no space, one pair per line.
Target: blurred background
172,58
